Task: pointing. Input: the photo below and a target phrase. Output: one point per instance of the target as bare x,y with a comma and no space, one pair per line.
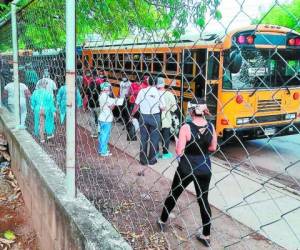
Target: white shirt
10,88
105,102
124,88
51,85
150,101
171,106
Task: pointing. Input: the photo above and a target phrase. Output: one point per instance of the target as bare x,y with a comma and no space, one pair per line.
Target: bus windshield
263,68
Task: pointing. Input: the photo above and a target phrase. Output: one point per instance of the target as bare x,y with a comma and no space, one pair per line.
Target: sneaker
106,155
205,242
94,135
158,155
161,225
167,156
152,162
50,137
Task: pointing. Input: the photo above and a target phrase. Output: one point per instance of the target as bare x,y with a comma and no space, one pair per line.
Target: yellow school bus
250,77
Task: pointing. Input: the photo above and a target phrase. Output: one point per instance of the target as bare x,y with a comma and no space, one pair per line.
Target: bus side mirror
236,62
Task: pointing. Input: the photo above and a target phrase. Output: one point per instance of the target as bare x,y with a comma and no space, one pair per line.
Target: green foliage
42,23
287,15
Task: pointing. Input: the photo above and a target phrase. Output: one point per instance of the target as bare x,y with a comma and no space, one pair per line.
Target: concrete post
15,63
71,104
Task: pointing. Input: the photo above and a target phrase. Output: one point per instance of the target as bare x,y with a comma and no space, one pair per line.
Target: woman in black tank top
196,140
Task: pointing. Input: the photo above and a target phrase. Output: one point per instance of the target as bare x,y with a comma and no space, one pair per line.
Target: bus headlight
240,121
290,116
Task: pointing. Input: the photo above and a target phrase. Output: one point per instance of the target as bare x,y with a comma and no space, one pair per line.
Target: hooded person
50,84
31,77
9,91
42,104
166,117
61,100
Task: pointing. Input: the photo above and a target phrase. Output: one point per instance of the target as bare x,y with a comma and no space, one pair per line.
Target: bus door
193,76
211,85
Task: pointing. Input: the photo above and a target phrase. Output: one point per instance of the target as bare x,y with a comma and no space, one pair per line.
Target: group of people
44,102
197,138
147,105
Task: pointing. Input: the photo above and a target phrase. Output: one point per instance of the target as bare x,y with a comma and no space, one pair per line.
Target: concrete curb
60,222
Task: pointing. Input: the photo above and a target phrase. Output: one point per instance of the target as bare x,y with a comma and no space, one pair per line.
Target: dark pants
166,134
149,129
180,182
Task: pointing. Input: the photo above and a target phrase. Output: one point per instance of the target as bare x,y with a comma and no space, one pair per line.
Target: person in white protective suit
9,91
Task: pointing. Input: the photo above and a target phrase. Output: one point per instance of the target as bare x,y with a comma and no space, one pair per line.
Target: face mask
124,79
101,76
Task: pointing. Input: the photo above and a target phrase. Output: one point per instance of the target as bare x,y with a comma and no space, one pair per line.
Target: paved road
278,157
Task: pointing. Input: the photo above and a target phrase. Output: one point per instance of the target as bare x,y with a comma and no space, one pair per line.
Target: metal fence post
71,105
15,63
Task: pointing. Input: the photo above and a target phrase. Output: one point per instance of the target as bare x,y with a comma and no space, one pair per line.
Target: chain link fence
143,71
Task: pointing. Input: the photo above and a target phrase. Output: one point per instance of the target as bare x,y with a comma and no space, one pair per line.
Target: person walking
50,84
196,139
31,77
61,100
166,117
125,85
9,91
105,119
42,104
93,92
150,104
87,78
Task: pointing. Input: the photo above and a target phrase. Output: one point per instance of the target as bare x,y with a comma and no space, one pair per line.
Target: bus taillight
250,39
239,99
224,121
292,42
296,96
242,39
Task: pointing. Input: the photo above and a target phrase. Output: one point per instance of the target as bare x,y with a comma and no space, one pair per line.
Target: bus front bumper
263,131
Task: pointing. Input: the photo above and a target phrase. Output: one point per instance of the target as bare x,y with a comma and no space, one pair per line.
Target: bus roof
191,40
188,40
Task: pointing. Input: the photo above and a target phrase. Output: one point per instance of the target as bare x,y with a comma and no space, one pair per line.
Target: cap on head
160,82
105,86
198,105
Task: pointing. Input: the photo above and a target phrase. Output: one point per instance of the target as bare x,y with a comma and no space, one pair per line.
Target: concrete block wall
60,222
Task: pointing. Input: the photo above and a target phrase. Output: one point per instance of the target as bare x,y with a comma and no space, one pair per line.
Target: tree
287,15
42,23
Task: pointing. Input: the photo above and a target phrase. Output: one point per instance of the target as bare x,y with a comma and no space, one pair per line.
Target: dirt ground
14,216
133,204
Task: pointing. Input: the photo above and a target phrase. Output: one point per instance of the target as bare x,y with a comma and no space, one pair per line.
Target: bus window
171,63
147,60
94,60
128,61
112,61
188,63
213,65
264,68
86,61
119,59
158,62
137,62
100,63
106,61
